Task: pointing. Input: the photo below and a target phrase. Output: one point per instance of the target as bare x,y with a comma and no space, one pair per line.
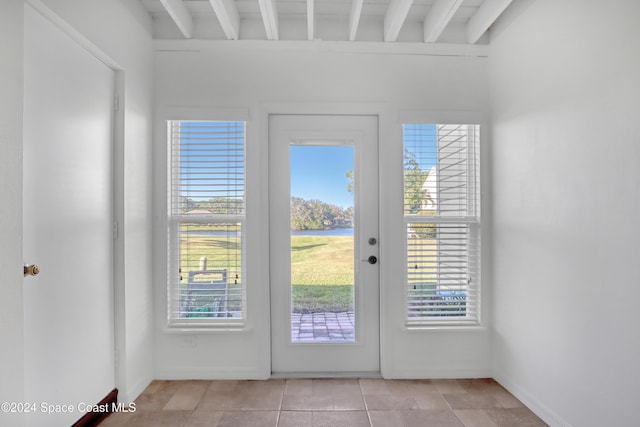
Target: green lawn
320,298
322,273
322,260
321,267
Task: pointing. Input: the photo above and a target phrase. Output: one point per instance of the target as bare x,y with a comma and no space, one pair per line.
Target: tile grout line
284,387
366,407
446,401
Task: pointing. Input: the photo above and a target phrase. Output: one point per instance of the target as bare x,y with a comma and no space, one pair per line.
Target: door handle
31,270
372,259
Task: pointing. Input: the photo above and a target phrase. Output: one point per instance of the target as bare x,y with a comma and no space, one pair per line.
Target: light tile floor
327,402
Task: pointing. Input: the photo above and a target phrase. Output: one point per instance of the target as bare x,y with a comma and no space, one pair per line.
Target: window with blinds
206,222
442,223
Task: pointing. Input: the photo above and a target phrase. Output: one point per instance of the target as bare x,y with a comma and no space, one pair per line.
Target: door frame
385,114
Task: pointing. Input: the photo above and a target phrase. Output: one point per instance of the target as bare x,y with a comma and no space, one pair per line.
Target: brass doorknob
31,270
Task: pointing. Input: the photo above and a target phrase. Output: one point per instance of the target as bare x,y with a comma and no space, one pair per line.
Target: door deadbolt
31,270
372,241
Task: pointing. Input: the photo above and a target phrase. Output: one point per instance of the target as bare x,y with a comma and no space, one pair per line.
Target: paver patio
323,327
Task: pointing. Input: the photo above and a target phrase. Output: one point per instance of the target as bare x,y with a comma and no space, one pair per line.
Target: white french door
324,275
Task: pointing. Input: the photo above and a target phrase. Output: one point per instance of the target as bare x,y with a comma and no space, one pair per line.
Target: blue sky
319,172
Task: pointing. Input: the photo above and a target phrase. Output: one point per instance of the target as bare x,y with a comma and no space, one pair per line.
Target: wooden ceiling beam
394,18
269,13
438,17
354,18
180,15
228,16
311,20
486,15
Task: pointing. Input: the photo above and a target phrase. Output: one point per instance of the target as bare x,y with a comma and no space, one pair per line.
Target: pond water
333,232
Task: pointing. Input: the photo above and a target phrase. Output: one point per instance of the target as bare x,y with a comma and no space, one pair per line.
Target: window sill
447,328
178,328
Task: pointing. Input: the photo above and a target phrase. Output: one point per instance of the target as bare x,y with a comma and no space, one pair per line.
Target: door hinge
116,102
115,230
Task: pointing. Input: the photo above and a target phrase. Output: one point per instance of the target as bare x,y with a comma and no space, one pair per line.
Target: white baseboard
440,373
540,409
358,374
190,373
130,394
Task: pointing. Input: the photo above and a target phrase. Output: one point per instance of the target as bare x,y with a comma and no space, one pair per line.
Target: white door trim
387,118
360,132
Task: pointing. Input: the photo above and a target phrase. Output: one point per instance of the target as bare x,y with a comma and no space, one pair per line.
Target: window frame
174,222
472,221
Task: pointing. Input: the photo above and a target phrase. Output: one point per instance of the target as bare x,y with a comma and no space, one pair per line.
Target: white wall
325,78
122,30
566,203
11,325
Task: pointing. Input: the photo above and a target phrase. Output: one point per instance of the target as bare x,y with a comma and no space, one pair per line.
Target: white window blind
442,223
206,222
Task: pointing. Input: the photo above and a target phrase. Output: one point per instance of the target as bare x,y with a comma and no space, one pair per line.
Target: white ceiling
415,21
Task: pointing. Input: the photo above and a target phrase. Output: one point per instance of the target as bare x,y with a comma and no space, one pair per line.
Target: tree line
305,214
318,215
216,205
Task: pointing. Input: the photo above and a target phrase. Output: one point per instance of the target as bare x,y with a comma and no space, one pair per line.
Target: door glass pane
322,243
